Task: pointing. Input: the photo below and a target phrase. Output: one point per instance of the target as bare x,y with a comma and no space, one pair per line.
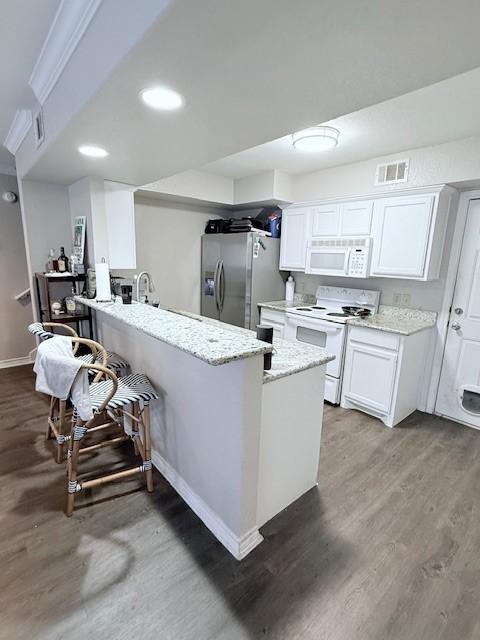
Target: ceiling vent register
392,172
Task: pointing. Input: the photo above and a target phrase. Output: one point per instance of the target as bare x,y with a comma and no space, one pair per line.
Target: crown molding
7,169
22,122
70,23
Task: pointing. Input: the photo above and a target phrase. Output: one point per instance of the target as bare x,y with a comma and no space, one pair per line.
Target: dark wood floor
388,547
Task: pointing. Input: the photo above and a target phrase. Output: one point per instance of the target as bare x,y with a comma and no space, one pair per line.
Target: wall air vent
392,172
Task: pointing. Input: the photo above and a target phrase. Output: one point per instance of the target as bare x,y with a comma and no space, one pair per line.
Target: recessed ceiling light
162,98
319,138
93,151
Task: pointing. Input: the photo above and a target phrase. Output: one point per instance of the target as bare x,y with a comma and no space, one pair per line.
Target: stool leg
51,415
61,429
74,449
135,413
148,446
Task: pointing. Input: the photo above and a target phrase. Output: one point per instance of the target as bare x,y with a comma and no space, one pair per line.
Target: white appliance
324,325
349,257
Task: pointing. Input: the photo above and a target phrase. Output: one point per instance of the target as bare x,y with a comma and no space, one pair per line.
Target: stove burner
319,307
339,315
305,308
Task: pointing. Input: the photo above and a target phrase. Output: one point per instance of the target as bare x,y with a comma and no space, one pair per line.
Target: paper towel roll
102,274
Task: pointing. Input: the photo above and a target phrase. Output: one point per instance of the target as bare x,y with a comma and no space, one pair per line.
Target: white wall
87,198
46,221
255,188
168,247
210,187
452,162
455,163
199,185
15,341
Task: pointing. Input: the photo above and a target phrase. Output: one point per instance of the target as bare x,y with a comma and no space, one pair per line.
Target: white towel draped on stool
59,374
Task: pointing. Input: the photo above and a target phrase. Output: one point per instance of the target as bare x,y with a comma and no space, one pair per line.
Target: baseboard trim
15,362
238,547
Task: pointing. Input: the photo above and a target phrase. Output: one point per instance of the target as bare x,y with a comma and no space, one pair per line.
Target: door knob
455,326
458,311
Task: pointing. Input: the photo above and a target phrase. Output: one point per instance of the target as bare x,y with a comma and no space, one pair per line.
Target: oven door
320,333
328,261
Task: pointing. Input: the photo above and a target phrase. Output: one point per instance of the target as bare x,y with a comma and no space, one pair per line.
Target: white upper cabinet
408,237
293,244
408,231
325,220
356,218
120,224
342,219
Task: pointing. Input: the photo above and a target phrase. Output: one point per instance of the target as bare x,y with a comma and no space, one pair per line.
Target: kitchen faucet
149,281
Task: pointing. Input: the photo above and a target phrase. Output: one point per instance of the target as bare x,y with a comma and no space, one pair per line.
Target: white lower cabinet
383,372
275,319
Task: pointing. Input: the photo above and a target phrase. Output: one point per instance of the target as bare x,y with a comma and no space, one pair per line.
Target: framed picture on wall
79,238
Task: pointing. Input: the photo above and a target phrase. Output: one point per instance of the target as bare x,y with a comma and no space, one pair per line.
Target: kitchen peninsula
237,443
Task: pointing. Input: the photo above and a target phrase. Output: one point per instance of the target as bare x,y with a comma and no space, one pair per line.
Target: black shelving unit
44,302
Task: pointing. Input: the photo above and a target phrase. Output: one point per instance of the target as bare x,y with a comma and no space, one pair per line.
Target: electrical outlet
401,299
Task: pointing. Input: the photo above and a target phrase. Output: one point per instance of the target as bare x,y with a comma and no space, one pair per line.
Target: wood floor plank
386,548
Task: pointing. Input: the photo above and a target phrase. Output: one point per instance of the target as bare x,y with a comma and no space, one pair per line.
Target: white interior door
459,390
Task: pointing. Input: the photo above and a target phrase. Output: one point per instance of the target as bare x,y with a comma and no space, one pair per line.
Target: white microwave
348,257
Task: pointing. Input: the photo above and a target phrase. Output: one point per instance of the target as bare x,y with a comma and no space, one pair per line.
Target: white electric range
324,325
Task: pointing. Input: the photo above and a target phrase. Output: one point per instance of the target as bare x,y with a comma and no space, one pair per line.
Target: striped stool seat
115,362
132,388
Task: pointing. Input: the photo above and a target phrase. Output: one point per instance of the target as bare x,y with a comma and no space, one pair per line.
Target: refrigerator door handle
222,285
216,285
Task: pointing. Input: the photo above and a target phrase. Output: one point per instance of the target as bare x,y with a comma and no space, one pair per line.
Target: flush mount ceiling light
161,98
318,138
92,151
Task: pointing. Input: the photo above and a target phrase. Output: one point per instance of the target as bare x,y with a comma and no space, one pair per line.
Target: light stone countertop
397,320
283,305
288,357
392,319
213,341
212,344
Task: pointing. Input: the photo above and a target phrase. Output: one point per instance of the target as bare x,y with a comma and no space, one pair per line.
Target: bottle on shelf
62,261
52,262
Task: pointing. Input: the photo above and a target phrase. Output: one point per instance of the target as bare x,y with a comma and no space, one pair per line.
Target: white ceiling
24,26
442,112
253,71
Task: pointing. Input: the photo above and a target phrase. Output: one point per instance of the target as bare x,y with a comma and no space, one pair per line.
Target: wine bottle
62,261
52,263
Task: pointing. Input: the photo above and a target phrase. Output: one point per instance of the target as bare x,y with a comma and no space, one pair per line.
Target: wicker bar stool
115,362
111,400
59,415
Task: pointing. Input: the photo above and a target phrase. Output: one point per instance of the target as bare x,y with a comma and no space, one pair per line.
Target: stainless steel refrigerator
239,270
